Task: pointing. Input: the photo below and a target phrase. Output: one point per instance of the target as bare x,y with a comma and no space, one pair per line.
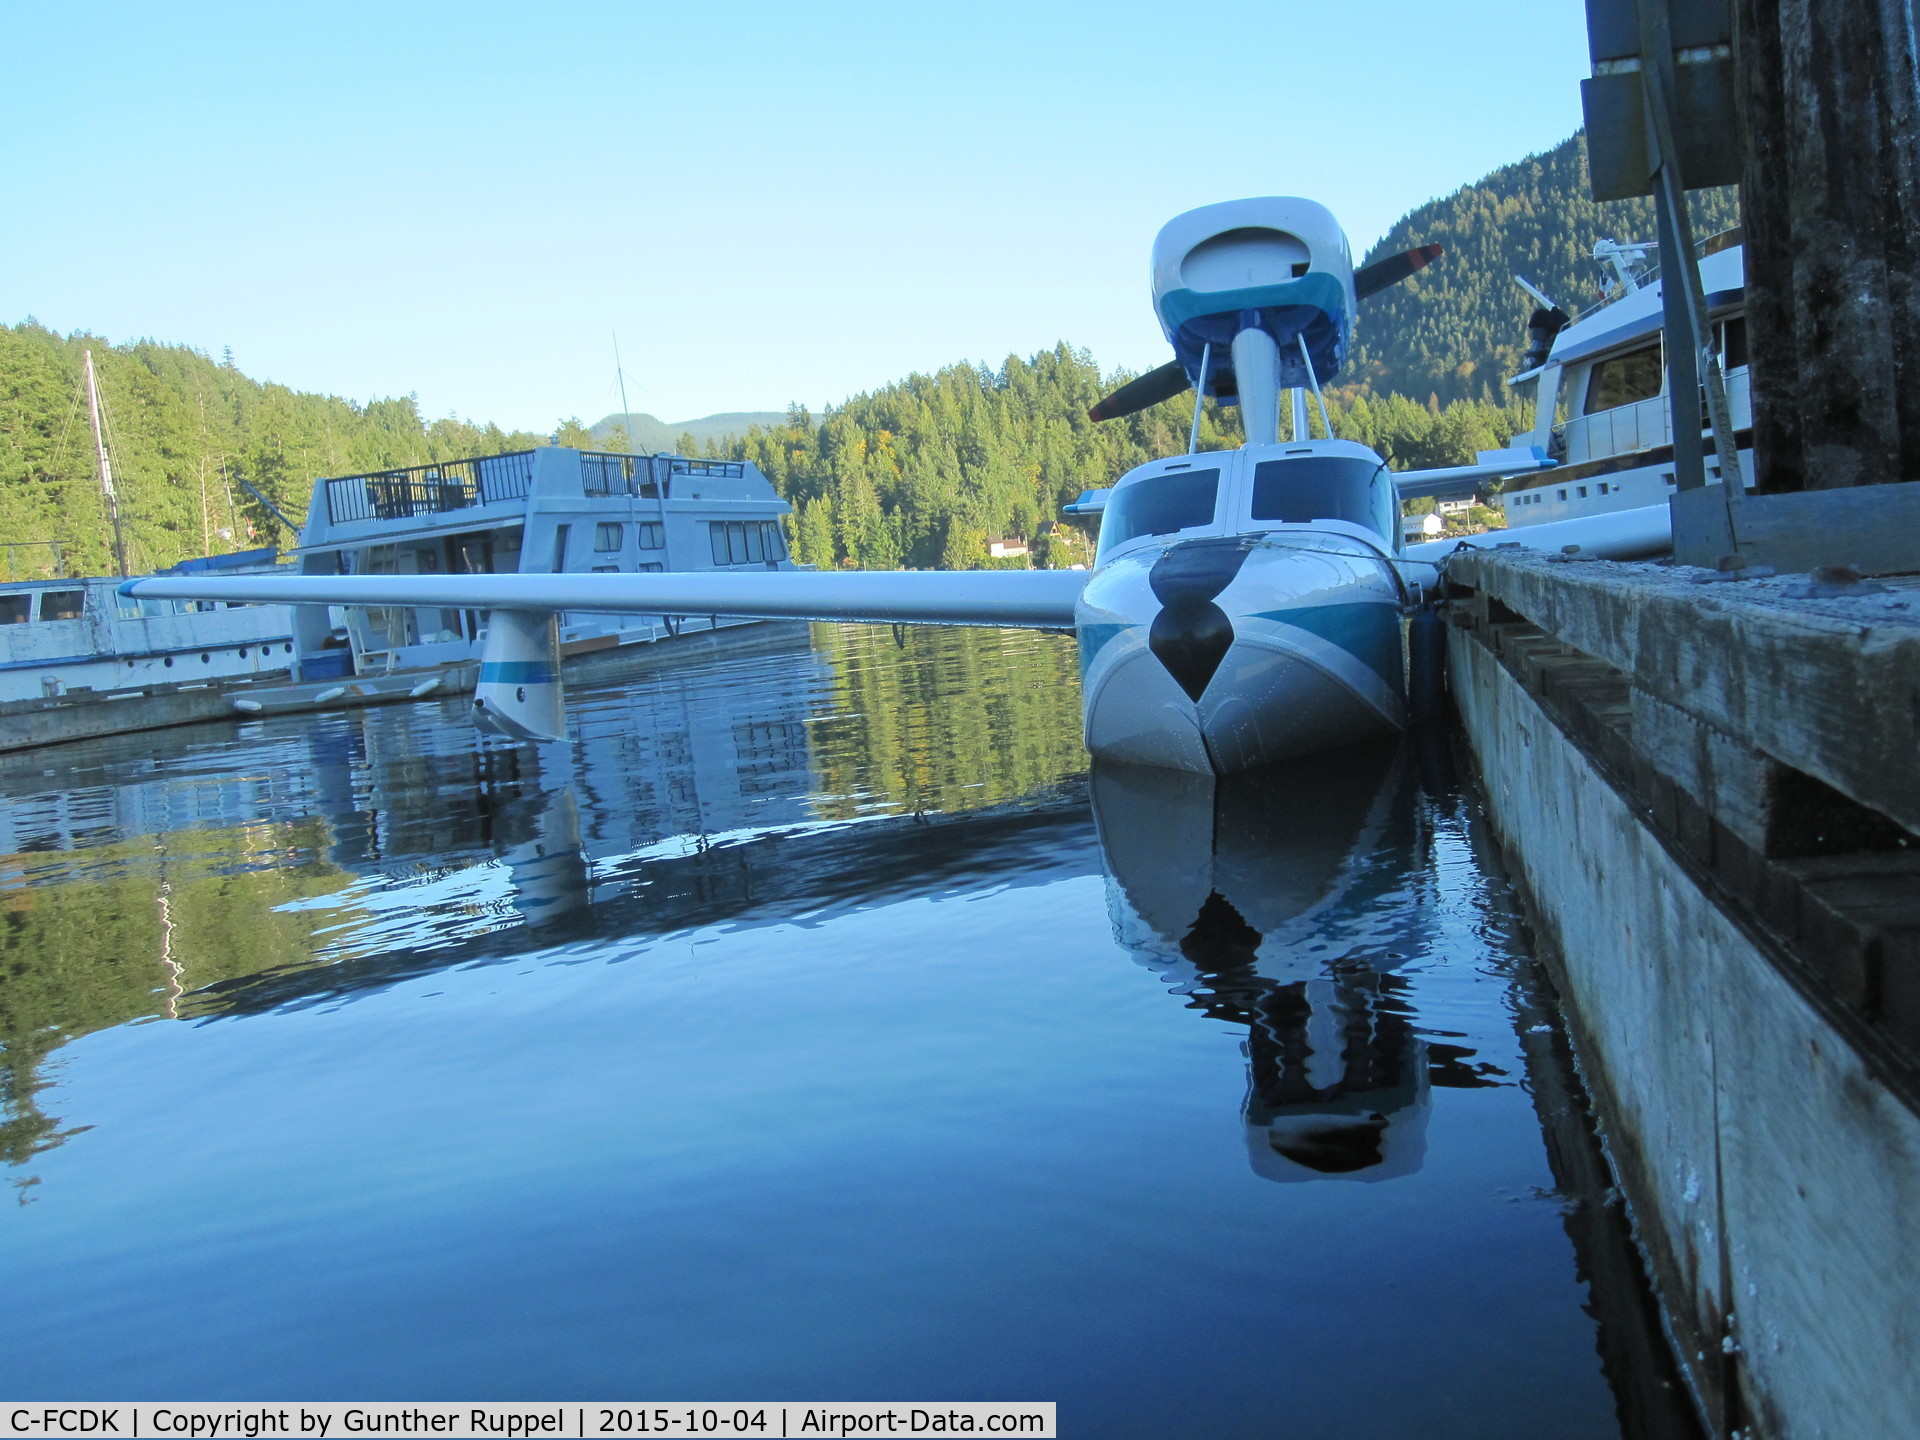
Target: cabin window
15,609
1326,487
606,569
744,542
1624,380
652,536
1730,341
1159,505
560,548
62,604
776,539
651,567
608,535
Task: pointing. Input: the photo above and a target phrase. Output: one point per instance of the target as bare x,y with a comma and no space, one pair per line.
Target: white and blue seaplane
1244,606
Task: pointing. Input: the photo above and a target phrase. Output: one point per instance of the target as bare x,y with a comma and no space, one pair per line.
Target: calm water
814,1026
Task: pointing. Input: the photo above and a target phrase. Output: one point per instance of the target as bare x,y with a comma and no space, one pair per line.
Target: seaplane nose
1191,635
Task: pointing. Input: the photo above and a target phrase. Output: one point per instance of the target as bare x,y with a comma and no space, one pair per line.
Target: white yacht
1600,389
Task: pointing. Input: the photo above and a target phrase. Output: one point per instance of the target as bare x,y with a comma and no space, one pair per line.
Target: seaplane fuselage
1246,607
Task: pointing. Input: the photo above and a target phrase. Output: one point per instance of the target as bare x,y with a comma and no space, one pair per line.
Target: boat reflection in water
1253,896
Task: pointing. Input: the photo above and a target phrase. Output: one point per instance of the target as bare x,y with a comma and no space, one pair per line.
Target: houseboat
65,638
551,510
1600,389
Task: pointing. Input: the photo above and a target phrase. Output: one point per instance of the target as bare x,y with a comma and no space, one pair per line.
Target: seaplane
1244,606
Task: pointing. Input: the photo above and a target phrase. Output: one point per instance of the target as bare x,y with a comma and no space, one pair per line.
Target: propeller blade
1150,389
1372,279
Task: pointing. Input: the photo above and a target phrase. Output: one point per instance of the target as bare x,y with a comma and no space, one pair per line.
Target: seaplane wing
1031,599
1488,465
1618,535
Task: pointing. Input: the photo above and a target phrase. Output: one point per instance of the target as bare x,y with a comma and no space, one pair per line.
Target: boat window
1159,505
606,569
1730,339
15,609
607,535
651,567
62,604
560,548
1624,379
652,536
717,532
756,544
1315,487
776,541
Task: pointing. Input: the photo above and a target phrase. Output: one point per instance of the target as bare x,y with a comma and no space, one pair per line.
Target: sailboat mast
106,468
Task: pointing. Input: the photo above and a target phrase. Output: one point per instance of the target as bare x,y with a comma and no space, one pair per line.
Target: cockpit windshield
1159,505
1316,487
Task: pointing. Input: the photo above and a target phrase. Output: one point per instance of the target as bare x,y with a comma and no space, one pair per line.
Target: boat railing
430,489
610,474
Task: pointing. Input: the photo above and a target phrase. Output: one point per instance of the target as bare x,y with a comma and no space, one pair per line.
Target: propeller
1372,279
1150,389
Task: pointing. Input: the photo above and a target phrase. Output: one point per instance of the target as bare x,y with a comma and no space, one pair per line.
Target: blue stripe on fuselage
1092,638
1370,632
516,672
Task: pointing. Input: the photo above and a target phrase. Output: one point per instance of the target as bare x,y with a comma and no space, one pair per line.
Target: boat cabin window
1159,505
746,542
1314,487
1623,380
652,535
1730,342
62,604
15,609
608,535
560,533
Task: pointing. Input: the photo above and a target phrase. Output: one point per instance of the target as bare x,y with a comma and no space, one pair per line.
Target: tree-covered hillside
1457,329
923,472
184,431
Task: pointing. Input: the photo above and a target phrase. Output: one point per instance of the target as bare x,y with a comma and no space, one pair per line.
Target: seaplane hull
1222,654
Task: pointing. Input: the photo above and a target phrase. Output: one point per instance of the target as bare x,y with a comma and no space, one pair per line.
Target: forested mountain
1457,329
920,472
924,471
653,436
184,431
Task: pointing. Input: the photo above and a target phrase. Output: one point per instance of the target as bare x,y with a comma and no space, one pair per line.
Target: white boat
1606,373
548,511
59,638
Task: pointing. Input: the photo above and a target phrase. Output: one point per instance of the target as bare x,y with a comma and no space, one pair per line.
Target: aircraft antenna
1314,381
1199,397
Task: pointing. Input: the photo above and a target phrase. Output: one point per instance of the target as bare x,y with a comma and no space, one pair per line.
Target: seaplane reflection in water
1236,891
1244,606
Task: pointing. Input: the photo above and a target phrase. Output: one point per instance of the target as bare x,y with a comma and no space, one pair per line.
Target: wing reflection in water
1252,894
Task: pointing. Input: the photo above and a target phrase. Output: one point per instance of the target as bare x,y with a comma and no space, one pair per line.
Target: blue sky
769,202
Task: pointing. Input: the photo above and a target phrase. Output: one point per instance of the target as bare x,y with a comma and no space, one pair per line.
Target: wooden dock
1710,794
